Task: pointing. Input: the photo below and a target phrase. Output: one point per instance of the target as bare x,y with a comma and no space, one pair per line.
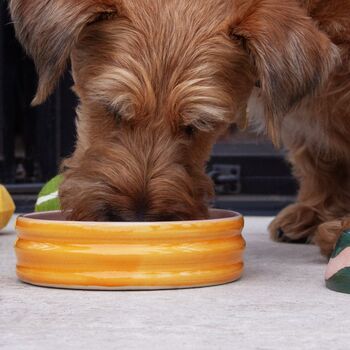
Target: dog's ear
49,29
290,55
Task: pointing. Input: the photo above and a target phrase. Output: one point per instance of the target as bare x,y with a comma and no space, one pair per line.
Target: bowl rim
31,218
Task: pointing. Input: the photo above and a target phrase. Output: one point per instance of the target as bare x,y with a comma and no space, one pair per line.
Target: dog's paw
294,224
327,234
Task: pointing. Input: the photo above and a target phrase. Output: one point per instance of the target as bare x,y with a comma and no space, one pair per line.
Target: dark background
250,175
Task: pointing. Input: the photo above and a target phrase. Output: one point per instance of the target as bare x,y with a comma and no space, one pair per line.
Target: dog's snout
113,215
142,213
139,216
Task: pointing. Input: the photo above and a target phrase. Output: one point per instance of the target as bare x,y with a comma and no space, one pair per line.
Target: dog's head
158,81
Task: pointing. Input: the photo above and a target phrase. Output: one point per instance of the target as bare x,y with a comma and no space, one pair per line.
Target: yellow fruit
7,207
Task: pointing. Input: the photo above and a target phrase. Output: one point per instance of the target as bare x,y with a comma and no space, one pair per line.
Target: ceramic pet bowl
100,255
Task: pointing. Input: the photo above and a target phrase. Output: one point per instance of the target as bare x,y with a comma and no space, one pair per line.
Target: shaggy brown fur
160,80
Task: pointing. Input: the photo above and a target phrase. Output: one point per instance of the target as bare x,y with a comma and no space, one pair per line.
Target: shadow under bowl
54,252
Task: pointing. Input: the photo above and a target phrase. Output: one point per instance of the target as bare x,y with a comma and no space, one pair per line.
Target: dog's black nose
140,216
112,215
128,217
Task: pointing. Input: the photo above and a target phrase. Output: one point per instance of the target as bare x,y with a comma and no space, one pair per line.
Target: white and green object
48,199
338,269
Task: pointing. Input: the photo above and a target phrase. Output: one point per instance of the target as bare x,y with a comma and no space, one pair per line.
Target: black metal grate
33,140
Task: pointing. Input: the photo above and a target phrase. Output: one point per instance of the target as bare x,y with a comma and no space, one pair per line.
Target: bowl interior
215,215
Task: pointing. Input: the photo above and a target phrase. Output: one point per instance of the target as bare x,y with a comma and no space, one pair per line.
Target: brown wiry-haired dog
160,80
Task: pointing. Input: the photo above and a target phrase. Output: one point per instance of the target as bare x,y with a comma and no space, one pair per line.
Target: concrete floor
280,303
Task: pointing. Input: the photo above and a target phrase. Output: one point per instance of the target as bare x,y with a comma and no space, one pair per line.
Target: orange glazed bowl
53,252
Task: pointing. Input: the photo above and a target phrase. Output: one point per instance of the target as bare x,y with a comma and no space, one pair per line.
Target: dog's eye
115,113
102,17
190,130
117,117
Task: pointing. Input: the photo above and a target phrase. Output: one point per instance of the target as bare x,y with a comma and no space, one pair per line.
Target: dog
160,80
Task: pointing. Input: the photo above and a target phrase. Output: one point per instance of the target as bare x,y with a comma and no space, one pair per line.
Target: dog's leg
298,222
322,210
